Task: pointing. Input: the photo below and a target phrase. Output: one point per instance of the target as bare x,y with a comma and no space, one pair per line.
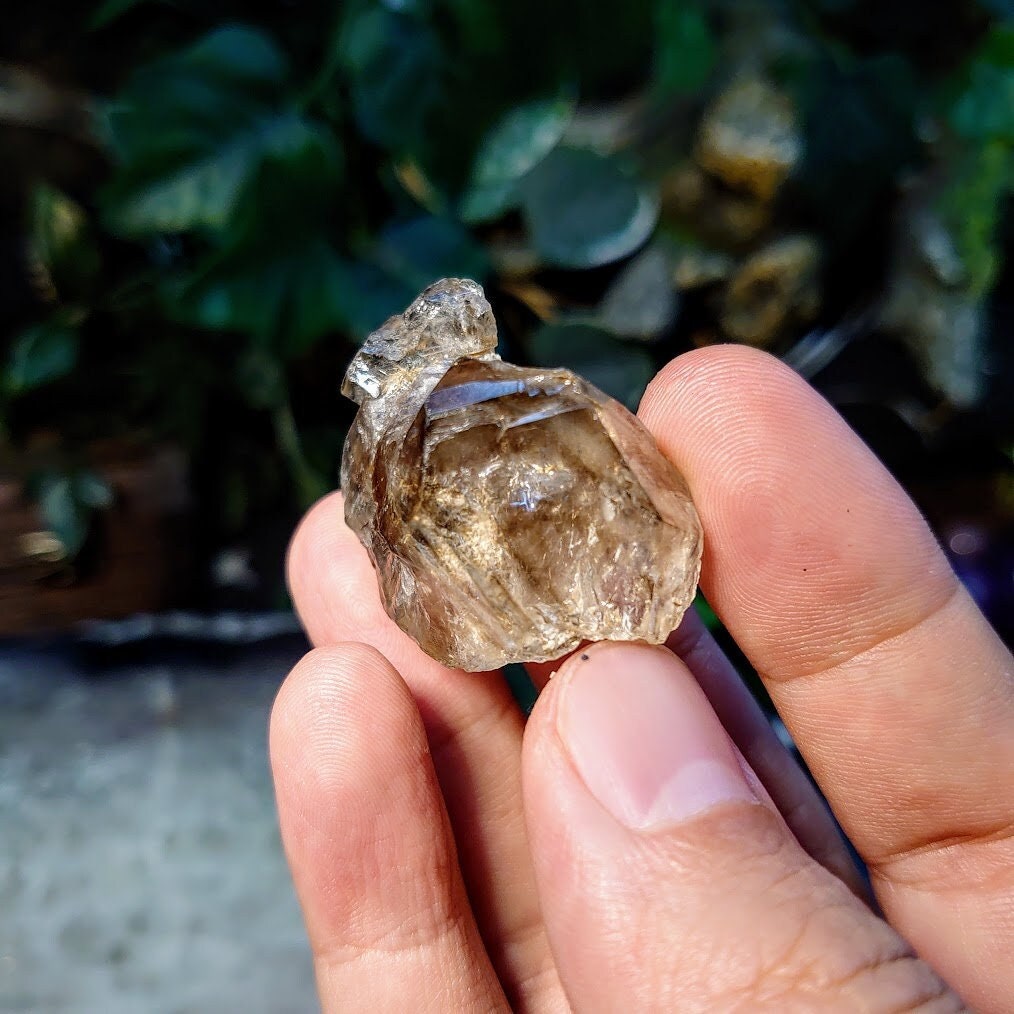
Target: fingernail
643,736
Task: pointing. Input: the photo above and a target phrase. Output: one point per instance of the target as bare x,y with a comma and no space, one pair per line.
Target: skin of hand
644,842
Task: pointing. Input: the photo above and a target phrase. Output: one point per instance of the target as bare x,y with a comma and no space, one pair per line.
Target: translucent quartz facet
511,513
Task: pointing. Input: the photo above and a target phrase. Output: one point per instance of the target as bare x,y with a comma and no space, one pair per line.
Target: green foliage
872,103
984,107
391,59
283,295
424,248
41,354
706,613
194,129
1001,8
62,240
980,109
508,152
585,209
112,10
620,370
277,188
67,503
234,160
970,205
685,52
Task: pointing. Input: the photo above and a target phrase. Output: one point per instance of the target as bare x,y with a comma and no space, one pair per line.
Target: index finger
898,693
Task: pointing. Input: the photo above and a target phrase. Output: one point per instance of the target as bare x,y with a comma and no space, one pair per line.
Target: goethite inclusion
511,513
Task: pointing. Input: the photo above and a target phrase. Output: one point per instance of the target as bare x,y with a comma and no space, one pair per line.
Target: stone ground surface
140,865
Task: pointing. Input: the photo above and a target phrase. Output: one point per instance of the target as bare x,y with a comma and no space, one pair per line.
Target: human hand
643,845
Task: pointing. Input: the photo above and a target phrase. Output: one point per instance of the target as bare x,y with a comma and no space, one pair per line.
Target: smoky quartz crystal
511,513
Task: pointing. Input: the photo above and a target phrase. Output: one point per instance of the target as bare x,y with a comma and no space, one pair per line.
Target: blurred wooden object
135,560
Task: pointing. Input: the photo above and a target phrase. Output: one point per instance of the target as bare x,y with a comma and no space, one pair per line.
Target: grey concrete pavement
140,866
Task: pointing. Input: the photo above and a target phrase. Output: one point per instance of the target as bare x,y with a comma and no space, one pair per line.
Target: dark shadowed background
205,207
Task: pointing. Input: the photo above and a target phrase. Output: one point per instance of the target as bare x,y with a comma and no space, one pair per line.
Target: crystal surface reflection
511,513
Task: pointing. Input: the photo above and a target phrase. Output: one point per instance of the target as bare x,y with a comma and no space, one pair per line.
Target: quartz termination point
511,513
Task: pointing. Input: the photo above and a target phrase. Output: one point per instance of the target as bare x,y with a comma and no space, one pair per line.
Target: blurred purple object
984,561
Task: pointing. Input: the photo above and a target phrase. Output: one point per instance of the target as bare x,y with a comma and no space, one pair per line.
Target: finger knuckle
838,956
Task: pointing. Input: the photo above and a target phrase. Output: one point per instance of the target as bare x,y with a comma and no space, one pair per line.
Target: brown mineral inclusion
511,513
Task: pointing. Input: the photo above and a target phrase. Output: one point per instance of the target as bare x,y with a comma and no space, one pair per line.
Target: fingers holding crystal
334,588
790,789
668,880
788,786
474,730
899,695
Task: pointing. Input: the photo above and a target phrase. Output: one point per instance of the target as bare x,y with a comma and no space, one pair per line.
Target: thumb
668,880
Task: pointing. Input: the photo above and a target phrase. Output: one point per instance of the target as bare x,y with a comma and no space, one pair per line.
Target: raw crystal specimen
511,513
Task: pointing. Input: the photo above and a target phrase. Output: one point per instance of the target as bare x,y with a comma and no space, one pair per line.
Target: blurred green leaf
41,354
860,133
706,613
641,302
67,502
274,275
584,209
62,513
406,257
982,111
521,686
970,205
111,10
322,446
524,137
62,241
378,295
91,490
685,51
285,299
604,46
420,251
1001,8
310,484
488,202
984,108
479,26
260,377
393,62
193,129
621,370
998,45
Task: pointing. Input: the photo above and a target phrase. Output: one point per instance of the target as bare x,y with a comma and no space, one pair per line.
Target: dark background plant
204,208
